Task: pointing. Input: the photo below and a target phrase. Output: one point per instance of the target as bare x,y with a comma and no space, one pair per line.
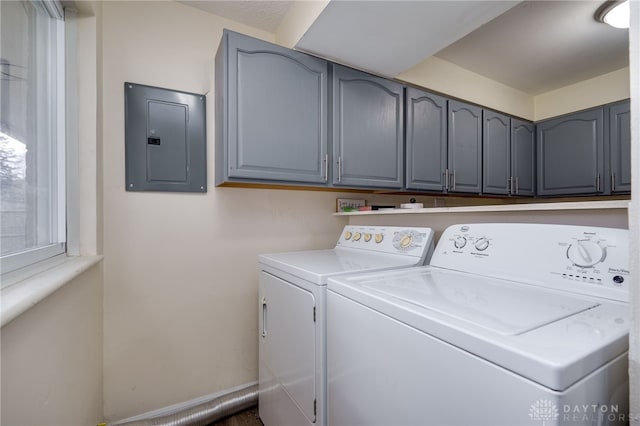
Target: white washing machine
511,324
292,325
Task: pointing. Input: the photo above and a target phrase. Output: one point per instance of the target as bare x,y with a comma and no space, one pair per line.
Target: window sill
35,283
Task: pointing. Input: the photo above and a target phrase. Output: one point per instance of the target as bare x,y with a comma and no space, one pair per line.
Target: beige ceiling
535,46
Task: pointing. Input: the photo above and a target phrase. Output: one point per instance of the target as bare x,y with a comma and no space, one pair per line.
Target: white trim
71,169
634,216
61,163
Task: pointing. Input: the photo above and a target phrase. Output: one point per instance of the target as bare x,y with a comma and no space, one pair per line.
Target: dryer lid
316,266
495,305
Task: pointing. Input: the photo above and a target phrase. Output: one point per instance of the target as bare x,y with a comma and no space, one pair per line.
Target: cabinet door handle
598,182
510,185
446,179
339,168
517,186
613,182
264,317
326,167
453,181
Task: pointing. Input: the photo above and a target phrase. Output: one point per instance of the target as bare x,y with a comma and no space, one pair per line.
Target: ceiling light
614,13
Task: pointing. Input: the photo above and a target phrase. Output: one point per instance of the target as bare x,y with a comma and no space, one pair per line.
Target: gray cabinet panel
570,154
523,148
465,147
426,140
367,130
273,113
620,147
496,148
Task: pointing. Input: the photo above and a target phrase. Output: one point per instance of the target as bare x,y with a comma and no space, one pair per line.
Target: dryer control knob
460,242
367,237
482,244
347,235
379,238
357,236
586,253
406,241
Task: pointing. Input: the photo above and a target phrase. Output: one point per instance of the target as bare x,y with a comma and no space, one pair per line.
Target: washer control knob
347,235
367,237
379,238
357,236
482,244
586,253
460,242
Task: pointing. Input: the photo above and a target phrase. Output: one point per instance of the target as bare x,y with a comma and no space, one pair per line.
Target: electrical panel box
165,140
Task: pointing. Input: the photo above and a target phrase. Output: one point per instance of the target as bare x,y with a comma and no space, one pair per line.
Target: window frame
56,115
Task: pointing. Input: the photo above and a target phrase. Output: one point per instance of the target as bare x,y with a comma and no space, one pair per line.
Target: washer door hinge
315,407
314,314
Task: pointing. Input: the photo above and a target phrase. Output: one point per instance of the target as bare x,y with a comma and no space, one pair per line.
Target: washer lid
317,265
493,304
552,337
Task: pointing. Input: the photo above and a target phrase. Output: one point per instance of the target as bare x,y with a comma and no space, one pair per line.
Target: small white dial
460,242
586,253
482,244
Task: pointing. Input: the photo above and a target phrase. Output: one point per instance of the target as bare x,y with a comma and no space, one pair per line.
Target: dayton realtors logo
546,411
543,410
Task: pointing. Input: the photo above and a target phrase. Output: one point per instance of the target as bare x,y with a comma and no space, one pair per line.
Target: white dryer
511,324
292,324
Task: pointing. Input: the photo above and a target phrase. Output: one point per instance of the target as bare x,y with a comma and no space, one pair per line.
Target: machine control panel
412,241
588,260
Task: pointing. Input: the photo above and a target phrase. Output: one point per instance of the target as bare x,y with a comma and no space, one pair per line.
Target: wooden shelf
579,205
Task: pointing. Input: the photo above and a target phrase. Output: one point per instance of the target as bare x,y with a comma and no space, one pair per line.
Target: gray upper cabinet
620,147
508,155
271,113
426,140
496,148
368,135
523,158
464,147
571,154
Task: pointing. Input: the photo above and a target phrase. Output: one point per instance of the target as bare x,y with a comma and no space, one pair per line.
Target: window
32,132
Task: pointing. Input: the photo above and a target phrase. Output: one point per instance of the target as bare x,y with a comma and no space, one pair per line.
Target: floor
245,418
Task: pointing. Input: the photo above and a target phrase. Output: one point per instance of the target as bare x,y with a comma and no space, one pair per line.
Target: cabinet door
496,153
620,146
570,154
523,157
465,147
426,140
272,113
367,130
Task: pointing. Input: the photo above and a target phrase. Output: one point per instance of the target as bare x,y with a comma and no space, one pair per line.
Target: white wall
51,358
181,269
52,354
614,218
